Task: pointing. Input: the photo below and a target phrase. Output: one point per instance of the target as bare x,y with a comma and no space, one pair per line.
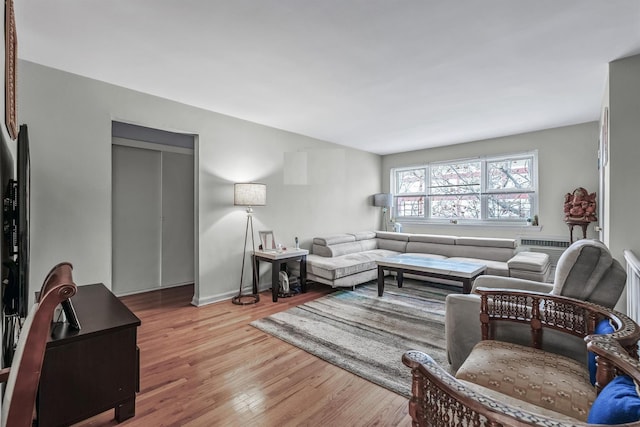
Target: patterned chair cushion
544,379
517,403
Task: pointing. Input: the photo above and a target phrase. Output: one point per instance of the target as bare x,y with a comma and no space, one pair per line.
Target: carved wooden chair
23,376
490,389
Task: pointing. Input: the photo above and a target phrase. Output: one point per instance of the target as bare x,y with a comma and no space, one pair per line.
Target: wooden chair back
24,374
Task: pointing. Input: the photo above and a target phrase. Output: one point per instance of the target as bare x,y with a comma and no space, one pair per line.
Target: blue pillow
617,403
603,327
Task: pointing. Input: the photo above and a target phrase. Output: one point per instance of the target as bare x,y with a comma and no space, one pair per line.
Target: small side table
582,224
278,260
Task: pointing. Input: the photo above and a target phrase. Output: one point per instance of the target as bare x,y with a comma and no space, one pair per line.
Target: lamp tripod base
253,298
246,299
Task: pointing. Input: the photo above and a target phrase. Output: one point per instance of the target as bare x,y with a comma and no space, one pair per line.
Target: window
485,189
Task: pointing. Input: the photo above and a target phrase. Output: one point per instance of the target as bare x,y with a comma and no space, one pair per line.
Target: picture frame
11,57
267,240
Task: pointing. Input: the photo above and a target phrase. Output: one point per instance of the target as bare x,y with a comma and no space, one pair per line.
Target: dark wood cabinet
94,369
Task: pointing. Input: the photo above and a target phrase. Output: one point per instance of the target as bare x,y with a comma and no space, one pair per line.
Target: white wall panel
137,226
177,219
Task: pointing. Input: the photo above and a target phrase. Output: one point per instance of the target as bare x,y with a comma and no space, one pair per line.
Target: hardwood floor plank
206,366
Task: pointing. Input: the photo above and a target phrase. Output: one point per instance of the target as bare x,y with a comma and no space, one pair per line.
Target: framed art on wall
11,56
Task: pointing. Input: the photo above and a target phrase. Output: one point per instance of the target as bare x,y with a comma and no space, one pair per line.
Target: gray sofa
349,259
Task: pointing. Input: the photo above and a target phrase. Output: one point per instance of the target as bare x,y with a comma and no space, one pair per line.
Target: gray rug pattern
366,334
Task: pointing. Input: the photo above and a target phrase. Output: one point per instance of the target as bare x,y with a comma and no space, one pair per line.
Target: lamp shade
384,200
250,194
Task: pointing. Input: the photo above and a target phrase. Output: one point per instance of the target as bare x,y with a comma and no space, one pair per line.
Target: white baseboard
199,302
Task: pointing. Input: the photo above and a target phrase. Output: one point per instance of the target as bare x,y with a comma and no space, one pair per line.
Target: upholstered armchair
503,384
585,271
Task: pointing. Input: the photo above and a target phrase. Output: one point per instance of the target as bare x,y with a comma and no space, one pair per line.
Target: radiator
633,285
552,246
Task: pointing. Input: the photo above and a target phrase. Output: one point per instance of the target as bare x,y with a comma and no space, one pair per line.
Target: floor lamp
249,195
384,201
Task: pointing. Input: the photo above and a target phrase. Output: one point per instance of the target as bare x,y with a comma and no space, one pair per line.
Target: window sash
469,189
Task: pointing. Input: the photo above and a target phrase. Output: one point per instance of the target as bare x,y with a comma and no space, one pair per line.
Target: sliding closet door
137,204
177,219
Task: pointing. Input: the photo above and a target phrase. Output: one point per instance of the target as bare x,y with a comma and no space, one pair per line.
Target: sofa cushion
542,276
363,235
337,267
433,238
353,279
529,261
345,248
334,239
602,327
617,403
390,235
541,378
484,252
495,268
431,248
491,242
392,245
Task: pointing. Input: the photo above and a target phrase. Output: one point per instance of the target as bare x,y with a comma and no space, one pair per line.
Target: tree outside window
493,189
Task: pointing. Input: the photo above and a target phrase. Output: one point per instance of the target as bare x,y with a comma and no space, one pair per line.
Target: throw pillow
617,403
603,327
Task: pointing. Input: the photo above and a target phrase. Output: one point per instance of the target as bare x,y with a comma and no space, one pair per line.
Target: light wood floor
207,367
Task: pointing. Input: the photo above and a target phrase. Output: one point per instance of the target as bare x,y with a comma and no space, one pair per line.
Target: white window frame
484,192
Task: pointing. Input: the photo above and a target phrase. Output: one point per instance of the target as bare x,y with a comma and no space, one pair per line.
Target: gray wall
69,120
623,180
567,159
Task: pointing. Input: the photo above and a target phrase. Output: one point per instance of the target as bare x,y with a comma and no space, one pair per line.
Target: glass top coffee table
464,272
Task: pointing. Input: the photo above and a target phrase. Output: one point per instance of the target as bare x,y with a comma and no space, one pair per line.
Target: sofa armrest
461,327
488,281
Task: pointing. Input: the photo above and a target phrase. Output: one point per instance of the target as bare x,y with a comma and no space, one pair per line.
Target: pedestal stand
582,224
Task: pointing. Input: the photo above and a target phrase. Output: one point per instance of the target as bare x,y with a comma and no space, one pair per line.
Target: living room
78,127
70,128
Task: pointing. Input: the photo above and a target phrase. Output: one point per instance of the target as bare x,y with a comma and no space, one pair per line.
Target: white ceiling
380,75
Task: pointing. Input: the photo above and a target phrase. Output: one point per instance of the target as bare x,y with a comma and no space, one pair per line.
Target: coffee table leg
380,281
400,279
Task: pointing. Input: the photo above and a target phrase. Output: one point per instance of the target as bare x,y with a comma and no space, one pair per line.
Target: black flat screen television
24,185
16,233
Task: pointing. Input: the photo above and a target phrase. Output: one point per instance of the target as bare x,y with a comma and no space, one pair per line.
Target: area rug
366,334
